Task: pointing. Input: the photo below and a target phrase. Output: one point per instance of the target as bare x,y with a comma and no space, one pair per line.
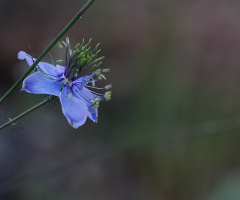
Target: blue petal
49,69
74,109
83,93
82,80
24,56
93,114
86,95
39,83
60,69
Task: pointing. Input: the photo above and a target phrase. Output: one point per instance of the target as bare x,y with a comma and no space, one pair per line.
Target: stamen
82,96
95,93
101,76
95,102
107,95
107,87
98,72
95,87
93,82
106,70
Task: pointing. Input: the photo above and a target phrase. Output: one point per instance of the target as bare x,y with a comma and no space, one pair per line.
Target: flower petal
93,114
24,56
83,93
39,83
60,69
86,95
74,109
47,68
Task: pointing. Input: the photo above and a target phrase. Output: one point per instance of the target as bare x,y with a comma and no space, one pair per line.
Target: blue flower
69,83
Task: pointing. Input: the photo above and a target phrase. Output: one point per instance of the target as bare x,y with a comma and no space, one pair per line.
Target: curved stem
55,40
24,113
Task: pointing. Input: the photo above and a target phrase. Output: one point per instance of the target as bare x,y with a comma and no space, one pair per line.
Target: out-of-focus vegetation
171,130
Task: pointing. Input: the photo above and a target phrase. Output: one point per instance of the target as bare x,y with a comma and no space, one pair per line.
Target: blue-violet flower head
74,87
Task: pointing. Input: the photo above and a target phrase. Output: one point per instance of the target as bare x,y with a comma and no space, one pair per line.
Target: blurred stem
24,113
56,39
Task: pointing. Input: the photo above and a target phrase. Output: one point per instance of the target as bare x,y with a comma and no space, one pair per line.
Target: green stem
24,113
70,24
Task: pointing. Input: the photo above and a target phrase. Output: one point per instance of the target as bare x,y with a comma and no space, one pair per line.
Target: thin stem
55,40
24,113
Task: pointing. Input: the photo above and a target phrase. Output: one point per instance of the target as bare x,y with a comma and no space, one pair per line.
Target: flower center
66,81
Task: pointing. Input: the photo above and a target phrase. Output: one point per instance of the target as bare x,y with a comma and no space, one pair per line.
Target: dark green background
171,130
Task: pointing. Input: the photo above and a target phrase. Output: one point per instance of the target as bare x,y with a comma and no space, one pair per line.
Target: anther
93,82
98,72
106,70
101,76
107,87
107,95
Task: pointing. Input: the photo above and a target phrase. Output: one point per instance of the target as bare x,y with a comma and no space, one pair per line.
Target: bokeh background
172,128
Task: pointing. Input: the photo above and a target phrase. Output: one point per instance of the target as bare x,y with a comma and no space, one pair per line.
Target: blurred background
172,128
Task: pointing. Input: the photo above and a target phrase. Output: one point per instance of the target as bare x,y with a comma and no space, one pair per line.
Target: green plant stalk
24,113
55,40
